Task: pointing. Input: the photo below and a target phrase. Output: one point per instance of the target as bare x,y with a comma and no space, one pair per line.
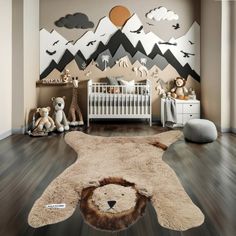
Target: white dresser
186,110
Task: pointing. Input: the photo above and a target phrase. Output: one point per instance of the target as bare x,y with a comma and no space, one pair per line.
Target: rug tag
56,206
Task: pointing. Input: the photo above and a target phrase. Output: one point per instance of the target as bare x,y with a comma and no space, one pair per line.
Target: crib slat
142,104
103,103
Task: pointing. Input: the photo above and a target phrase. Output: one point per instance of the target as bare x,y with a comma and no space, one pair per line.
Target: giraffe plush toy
75,115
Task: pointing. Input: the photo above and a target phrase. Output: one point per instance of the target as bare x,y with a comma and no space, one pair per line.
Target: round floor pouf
200,131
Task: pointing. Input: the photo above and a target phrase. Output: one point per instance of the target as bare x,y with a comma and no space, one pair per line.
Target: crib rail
119,101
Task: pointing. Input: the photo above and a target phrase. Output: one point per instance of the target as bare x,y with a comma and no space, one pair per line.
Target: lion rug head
114,205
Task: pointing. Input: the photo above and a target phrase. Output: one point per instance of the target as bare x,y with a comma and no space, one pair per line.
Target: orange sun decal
119,15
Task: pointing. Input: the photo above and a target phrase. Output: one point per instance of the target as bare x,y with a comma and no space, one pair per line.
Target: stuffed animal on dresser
59,114
45,122
179,90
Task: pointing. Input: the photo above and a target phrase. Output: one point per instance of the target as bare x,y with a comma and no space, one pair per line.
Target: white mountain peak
133,29
105,25
133,25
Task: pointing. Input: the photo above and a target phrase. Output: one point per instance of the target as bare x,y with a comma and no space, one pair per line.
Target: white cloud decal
161,13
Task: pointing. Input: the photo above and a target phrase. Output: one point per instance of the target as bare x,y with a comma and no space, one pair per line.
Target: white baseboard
5,134
18,131
226,130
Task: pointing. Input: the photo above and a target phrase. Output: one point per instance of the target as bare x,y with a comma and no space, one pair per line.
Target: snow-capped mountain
182,53
89,42
52,47
133,29
189,43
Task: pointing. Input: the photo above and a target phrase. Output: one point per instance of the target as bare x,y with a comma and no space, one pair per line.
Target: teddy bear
45,122
179,89
59,114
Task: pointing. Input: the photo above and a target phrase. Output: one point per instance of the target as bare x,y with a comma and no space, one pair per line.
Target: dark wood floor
28,165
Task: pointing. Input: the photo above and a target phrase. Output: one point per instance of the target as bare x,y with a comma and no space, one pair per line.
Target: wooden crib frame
104,104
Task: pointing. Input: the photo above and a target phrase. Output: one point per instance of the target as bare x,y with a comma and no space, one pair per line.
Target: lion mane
106,220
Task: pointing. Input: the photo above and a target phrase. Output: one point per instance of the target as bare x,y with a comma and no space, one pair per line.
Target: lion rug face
112,180
114,205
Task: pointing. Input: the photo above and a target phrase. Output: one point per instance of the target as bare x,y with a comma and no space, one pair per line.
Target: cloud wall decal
76,21
161,13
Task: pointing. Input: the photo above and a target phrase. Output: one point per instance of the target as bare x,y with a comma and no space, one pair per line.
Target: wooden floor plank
207,172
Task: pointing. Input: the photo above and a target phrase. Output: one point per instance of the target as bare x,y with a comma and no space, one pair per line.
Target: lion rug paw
112,181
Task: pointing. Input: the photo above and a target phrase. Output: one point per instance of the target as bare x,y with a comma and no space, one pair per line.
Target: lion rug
112,180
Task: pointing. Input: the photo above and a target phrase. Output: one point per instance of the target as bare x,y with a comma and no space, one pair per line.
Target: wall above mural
77,20
121,39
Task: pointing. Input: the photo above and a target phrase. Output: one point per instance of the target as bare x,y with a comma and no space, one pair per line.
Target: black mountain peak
117,40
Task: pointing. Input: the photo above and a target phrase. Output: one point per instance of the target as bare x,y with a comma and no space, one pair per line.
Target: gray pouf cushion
200,131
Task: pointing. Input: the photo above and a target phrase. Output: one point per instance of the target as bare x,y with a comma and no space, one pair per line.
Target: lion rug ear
114,205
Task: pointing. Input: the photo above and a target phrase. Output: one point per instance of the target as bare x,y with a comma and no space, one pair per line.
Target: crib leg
150,122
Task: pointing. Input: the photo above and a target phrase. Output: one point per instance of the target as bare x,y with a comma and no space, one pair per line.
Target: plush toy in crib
179,91
59,114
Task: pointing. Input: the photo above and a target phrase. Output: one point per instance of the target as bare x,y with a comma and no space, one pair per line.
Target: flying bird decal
71,41
187,54
102,35
50,53
150,24
168,43
55,42
91,43
138,31
191,42
176,26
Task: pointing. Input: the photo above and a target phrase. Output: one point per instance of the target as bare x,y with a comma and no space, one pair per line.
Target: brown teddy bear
179,91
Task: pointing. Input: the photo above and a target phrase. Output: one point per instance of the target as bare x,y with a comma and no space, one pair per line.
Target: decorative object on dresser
128,102
59,114
75,116
185,110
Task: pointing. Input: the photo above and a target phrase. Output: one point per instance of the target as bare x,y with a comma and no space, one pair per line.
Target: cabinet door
179,119
191,108
187,117
179,108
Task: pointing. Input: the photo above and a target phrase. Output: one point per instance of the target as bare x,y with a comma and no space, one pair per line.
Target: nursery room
119,118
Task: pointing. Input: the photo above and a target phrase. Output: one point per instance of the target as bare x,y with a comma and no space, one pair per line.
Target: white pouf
200,131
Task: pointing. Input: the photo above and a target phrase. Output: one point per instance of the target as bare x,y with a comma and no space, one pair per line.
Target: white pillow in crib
129,85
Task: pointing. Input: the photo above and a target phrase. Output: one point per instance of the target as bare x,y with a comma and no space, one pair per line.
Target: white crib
104,102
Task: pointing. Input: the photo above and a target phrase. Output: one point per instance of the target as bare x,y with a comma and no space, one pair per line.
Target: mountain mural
112,43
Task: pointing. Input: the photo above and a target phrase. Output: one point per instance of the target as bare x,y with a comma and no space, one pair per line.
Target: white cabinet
185,109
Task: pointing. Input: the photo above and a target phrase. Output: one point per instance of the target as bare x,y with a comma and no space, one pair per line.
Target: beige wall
218,59
6,67
25,60
188,10
31,55
18,62
226,79
211,60
233,66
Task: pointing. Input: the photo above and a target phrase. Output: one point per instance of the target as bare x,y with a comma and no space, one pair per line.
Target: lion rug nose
129,204
111,203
